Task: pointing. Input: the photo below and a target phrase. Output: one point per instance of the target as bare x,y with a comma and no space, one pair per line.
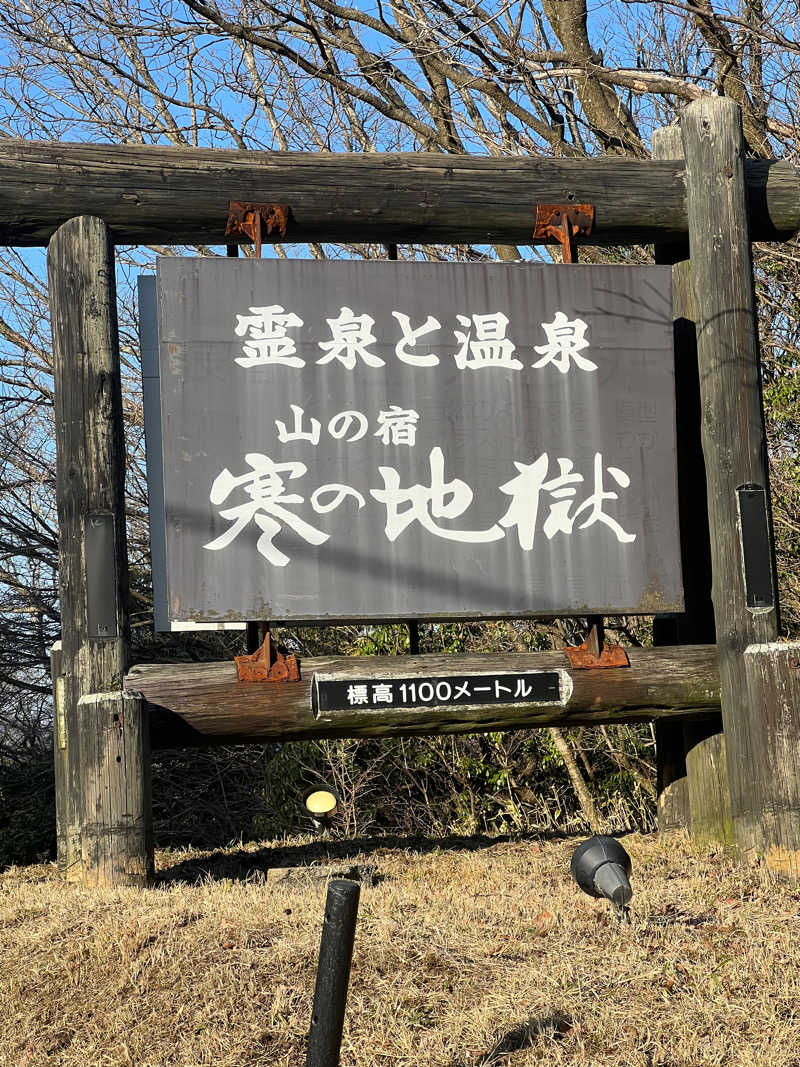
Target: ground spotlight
601,867
321,802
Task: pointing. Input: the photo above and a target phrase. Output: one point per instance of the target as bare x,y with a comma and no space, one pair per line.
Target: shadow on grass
244,864
525,1035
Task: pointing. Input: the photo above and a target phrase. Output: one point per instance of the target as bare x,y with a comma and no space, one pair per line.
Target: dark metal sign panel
364,440
332,693
756,549
100,560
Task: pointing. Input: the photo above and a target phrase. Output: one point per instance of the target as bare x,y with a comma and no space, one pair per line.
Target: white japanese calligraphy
340,493
410,337
397,426
594,504
298,433
566,339
267,343
491,347
482,341
526,488
351,335
357,694
340,425
525,491
264,485
266,502
440,500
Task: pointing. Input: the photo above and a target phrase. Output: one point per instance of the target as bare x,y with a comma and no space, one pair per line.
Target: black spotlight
601,867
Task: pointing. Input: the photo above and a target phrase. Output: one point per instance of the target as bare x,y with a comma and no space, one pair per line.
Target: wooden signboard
360,440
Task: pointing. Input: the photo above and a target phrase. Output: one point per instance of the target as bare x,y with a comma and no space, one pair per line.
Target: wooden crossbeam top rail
204,703
165,195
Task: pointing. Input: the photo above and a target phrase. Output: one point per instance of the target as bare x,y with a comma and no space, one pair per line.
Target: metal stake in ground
333,974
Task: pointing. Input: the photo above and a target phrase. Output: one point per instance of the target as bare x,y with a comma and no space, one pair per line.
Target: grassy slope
481,953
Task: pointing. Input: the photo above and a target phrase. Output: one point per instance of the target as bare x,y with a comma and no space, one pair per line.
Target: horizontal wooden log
203,703
156,195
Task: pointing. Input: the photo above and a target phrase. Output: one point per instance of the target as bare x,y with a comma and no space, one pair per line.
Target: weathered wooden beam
672,784
153,194
203,703
117,825
61,758
707,791
672,787
93,558
773,686
734,446
707,780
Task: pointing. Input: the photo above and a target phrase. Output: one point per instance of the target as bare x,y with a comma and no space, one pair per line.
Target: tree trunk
585,798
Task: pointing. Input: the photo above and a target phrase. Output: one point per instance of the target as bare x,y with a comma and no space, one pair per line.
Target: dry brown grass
465,956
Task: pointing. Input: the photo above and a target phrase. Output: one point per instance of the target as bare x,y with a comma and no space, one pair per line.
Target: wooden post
734,447
696,624
707,780
773,689
672,785
60,755
117,831
93,562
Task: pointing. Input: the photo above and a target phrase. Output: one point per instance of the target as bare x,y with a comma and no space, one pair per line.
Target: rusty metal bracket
246,220
595,653
563,223
581,658
267,664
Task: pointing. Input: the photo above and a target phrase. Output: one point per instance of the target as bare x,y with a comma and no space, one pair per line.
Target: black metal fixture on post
333,974
601,867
